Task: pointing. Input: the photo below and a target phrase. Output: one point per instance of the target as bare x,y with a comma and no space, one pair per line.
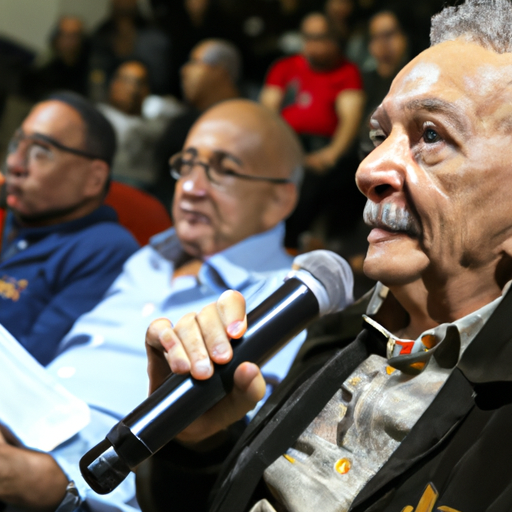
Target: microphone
320,283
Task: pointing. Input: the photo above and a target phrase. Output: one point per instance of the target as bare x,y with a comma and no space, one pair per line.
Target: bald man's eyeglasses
218,169
39,147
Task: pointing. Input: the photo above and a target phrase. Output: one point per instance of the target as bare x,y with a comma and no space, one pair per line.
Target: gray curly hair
485,22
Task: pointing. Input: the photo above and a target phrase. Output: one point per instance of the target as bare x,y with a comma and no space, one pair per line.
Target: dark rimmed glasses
39,147
218,169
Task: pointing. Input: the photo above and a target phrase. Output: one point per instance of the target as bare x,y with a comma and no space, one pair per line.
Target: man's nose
383,171
196,182
16,160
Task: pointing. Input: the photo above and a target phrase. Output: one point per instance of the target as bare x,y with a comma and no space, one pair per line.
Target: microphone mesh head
333,272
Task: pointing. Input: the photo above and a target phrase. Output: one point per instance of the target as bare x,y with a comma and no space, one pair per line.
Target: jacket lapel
485,360
273,434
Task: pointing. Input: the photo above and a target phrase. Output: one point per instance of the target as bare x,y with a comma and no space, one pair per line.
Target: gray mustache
389,215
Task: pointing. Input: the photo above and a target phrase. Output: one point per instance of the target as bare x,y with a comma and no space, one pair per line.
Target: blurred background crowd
153,66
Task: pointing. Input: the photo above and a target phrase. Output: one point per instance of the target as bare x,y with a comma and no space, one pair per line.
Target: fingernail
202,367
166,337
220,350
178,366
235,328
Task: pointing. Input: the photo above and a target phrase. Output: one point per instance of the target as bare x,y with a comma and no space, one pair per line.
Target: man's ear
503,273
97,178
282,203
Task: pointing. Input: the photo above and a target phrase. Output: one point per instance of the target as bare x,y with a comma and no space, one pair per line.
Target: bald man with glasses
61,248
237,179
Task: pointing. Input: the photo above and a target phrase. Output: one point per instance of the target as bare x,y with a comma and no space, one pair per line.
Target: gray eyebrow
436,105
224,154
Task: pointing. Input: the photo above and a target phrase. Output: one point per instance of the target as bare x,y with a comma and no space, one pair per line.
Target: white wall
30,22
91,11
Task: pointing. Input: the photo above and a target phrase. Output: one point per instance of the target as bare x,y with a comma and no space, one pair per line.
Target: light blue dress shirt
103,360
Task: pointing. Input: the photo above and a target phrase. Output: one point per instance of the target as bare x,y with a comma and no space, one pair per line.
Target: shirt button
22,244
342,466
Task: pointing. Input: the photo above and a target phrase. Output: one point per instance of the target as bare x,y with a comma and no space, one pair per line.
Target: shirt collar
104,213
237,265
446,343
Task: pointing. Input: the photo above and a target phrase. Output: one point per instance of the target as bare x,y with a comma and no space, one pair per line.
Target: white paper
33,405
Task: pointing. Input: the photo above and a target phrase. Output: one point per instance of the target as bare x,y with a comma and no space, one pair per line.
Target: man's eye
186,165
39,152
225,168
377,137
226,171
430,136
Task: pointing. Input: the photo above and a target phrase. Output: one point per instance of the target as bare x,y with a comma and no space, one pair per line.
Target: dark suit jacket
457,458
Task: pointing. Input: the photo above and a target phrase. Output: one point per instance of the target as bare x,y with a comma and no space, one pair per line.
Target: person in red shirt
319,93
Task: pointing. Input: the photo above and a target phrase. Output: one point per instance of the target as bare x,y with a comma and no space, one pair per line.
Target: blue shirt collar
237,265
103,213
33,234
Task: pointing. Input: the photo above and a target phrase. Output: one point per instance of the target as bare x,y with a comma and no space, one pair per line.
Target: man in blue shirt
237,182
62,248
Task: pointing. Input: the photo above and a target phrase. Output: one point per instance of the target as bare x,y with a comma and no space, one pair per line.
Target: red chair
139,212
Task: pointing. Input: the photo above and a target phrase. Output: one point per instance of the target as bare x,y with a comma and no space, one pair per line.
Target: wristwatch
71,500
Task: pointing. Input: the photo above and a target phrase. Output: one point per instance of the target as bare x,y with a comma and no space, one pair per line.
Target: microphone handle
182,399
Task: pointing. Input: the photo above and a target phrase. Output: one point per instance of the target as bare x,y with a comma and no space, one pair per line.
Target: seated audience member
187,23
415,414
127,35
346,24
137,135
211,75
319,94
68,65
269,28
341,13
62,248
237,182
389,47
